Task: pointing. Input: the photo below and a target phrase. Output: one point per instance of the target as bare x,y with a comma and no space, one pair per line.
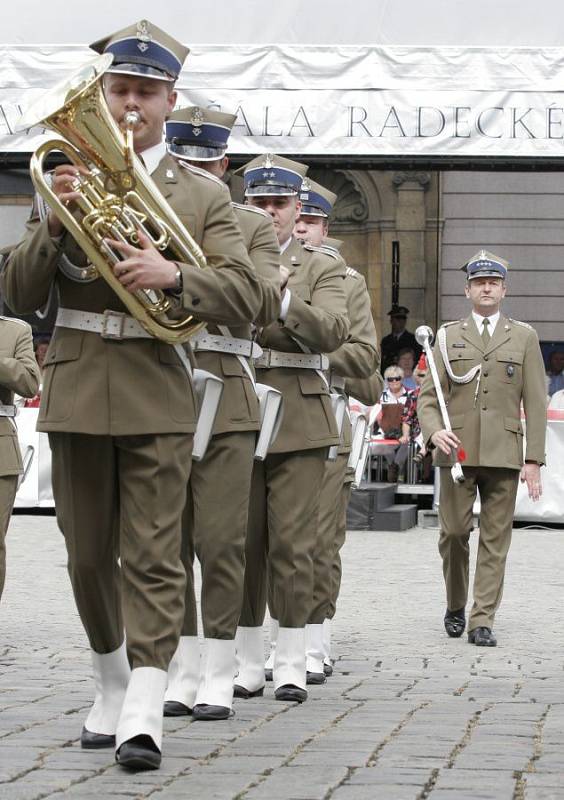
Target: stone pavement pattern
408,714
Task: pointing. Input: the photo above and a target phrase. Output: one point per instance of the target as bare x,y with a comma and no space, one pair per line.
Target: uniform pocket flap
457,422
64,349
513,425
463,355
311,383
510,356
231,366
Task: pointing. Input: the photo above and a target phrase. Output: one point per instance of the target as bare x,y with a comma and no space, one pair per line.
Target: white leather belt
109,325
7,411
277,358
225,344
337,382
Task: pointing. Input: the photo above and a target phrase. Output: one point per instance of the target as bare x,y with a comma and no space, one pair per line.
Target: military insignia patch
510,370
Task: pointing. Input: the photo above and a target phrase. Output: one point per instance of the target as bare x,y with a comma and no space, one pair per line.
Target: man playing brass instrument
119,406
488,365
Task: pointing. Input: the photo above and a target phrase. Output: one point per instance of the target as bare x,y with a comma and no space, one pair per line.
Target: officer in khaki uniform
119,406
357,357
286,486
488,365
215,517
19,373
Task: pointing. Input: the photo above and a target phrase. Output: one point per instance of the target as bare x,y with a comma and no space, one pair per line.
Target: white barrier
35,489
550,507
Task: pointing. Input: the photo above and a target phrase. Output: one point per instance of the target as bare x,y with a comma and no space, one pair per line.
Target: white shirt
493,320
153,156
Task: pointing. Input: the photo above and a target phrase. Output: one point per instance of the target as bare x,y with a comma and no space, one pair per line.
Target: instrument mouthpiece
423,335
132,119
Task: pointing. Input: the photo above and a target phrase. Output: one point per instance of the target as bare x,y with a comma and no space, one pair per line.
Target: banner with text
342,101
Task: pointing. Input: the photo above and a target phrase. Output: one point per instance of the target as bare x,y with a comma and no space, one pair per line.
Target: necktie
485,332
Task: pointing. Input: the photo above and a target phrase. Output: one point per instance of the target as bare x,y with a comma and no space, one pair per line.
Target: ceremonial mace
424,336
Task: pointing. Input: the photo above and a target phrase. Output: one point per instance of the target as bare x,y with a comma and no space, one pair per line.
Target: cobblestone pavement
408,713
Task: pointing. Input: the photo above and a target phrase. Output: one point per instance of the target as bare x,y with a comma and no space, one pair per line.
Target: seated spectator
406,360
389,417
554,372
411,429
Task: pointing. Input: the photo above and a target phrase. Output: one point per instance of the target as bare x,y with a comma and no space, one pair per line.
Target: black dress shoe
174,708
96,741
268,674
246,694
455,622
290,693
315,677
203,711
328,670
482,637
139,753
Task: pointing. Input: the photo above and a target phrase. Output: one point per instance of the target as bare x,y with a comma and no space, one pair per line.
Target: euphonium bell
117,197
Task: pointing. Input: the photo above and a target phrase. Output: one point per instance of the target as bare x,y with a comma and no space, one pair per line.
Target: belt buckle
113,324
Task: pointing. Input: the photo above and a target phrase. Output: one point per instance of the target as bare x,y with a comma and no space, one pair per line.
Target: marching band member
119,406
285,487
358,357
214,522
19,373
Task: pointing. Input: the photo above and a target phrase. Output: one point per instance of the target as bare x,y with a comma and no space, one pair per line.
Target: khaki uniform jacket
489,424
317,316
358,357
106,387
239,409
19,373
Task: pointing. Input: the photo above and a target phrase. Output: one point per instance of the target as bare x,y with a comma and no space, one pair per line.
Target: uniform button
486,358
485,374
485,391
195,301
484,408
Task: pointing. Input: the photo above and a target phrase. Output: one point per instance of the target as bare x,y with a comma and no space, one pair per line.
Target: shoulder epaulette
18,321
325,252
203,173
253,209
523,324
352,273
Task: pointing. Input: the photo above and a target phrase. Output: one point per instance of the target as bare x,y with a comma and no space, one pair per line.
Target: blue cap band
485,268
315,201
277,178
206,135
152,54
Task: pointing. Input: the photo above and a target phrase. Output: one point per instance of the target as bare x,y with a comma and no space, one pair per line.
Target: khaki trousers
122,497
498,489
214,526
330,503
283,513
340,536
8,488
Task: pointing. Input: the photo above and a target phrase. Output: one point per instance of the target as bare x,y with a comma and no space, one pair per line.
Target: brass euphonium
117,197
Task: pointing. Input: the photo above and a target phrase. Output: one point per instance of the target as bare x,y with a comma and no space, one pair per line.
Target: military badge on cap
270,174
317,201
198,134
145,51
485,265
